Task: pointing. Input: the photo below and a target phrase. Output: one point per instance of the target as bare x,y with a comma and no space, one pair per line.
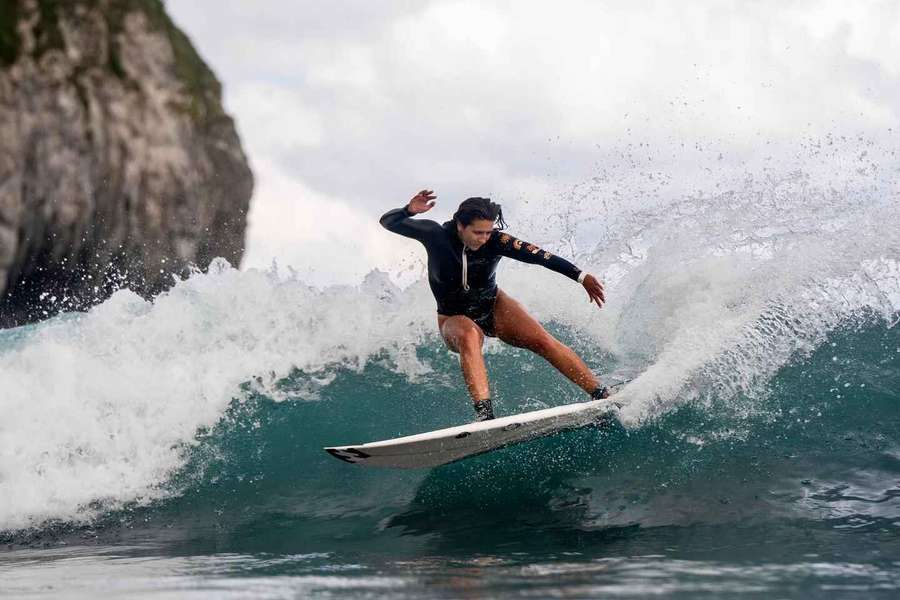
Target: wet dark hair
479,208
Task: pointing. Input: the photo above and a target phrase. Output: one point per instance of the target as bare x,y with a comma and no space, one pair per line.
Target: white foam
100,406
709,296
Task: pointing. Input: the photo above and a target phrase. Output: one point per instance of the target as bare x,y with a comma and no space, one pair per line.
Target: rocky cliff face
118,165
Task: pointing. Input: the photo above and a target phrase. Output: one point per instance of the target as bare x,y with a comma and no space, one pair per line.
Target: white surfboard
454,443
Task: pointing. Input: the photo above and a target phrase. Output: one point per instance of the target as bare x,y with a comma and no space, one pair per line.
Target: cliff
118,164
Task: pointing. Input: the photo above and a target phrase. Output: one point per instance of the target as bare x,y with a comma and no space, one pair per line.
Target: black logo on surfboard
350,455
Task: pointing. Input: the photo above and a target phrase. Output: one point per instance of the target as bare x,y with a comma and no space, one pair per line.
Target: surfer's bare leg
516,327
463,336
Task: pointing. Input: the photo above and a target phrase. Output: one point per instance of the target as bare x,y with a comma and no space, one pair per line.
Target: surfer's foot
484,410
600,393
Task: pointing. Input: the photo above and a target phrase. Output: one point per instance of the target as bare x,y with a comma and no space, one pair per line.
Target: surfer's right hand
595,290
421,202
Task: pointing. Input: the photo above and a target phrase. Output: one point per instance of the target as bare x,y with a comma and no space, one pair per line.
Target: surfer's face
475,234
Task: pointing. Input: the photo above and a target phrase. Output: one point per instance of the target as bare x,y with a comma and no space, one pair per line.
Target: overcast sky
348,108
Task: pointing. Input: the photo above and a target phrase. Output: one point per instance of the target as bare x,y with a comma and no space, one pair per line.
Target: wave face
760,323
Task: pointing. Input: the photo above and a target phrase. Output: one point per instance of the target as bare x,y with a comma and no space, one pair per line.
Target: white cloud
325,239
279,120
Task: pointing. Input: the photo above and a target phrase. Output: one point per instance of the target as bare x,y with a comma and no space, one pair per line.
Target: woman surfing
462,259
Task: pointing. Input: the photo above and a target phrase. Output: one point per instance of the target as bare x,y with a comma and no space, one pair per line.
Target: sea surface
173,448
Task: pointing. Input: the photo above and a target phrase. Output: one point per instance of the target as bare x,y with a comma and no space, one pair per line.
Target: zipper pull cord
465,270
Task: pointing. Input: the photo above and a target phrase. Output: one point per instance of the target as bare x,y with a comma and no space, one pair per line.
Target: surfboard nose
348,454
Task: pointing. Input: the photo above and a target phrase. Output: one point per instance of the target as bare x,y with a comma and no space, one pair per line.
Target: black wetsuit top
445,264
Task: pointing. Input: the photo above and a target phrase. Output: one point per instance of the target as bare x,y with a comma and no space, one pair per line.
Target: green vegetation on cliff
198,81
9,36
200,84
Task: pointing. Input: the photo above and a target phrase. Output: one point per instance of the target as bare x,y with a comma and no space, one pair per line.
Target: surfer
462,259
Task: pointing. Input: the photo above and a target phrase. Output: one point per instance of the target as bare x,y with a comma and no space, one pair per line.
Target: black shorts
480,310
486,322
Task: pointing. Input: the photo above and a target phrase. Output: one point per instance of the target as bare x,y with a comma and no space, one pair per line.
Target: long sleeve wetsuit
473,290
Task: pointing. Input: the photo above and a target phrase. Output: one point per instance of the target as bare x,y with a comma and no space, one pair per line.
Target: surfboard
434,448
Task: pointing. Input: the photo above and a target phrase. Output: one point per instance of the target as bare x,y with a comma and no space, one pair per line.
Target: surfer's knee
470,338
461,334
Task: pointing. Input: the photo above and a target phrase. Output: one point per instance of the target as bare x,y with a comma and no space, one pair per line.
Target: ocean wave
712,300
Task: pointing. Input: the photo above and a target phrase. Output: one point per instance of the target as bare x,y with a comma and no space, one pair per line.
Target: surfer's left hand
594,289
